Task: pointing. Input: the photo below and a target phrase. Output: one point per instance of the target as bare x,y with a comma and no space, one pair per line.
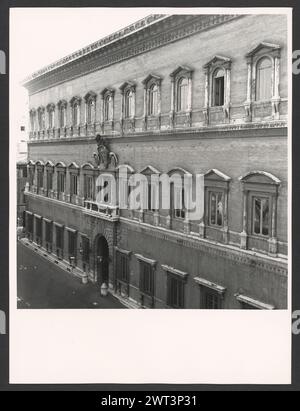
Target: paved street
41,284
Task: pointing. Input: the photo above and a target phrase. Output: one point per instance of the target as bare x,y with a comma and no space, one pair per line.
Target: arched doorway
102,260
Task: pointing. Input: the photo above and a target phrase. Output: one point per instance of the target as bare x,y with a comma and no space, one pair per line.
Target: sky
40,36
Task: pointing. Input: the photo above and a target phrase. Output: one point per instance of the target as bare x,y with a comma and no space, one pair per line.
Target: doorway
102,260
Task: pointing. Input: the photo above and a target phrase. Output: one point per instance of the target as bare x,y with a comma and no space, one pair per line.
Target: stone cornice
161,30
267,129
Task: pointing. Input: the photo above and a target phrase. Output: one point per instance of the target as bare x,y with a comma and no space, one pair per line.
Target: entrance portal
102,260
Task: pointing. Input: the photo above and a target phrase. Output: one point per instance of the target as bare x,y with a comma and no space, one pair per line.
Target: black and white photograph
150,173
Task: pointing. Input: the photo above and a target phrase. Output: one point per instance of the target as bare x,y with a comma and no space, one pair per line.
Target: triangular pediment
151,77
127,84
217,60
149,170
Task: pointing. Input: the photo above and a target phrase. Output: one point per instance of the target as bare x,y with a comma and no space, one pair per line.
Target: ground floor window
175,291
59,241
72,243
38,230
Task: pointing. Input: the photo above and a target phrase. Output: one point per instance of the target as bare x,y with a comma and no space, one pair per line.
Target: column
227,93
243,234
122,113
276,97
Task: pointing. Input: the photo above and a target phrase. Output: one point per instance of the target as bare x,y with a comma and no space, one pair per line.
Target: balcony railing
103,209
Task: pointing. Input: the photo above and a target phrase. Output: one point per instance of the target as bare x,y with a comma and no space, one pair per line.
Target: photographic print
152,168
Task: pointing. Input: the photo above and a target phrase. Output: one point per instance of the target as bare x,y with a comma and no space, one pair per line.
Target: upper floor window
129,104
151,188
75,108
49,167
51,113
181,80
152,101
217,83
182,94
88,171
128,100
62,107
216,208
263,79
178,195
261,215
90,104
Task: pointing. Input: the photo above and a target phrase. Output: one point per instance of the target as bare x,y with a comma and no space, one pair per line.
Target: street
41,284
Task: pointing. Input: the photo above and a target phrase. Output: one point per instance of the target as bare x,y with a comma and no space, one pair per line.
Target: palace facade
183,94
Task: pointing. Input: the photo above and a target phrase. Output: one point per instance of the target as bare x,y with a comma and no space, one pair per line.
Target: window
122,267
38,230
128,100
90,111
51,112
146,278
153,100
216,186
264,79
88,187
212,301
218,87
61,181
76,114
32,115
181,81
40,179
182,95
129,104
62,114
215,208
261,217
29,223
177,201
74,184
24,172
175,291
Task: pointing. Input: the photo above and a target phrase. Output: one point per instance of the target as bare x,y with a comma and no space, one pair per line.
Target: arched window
50,110
129,104
108,109
153,100
32,119
76,114
218,87
263,79
182,94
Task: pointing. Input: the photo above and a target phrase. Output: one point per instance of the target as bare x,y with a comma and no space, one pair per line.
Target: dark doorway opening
102,260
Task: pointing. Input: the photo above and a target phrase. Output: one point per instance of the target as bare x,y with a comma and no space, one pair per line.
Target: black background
4,200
